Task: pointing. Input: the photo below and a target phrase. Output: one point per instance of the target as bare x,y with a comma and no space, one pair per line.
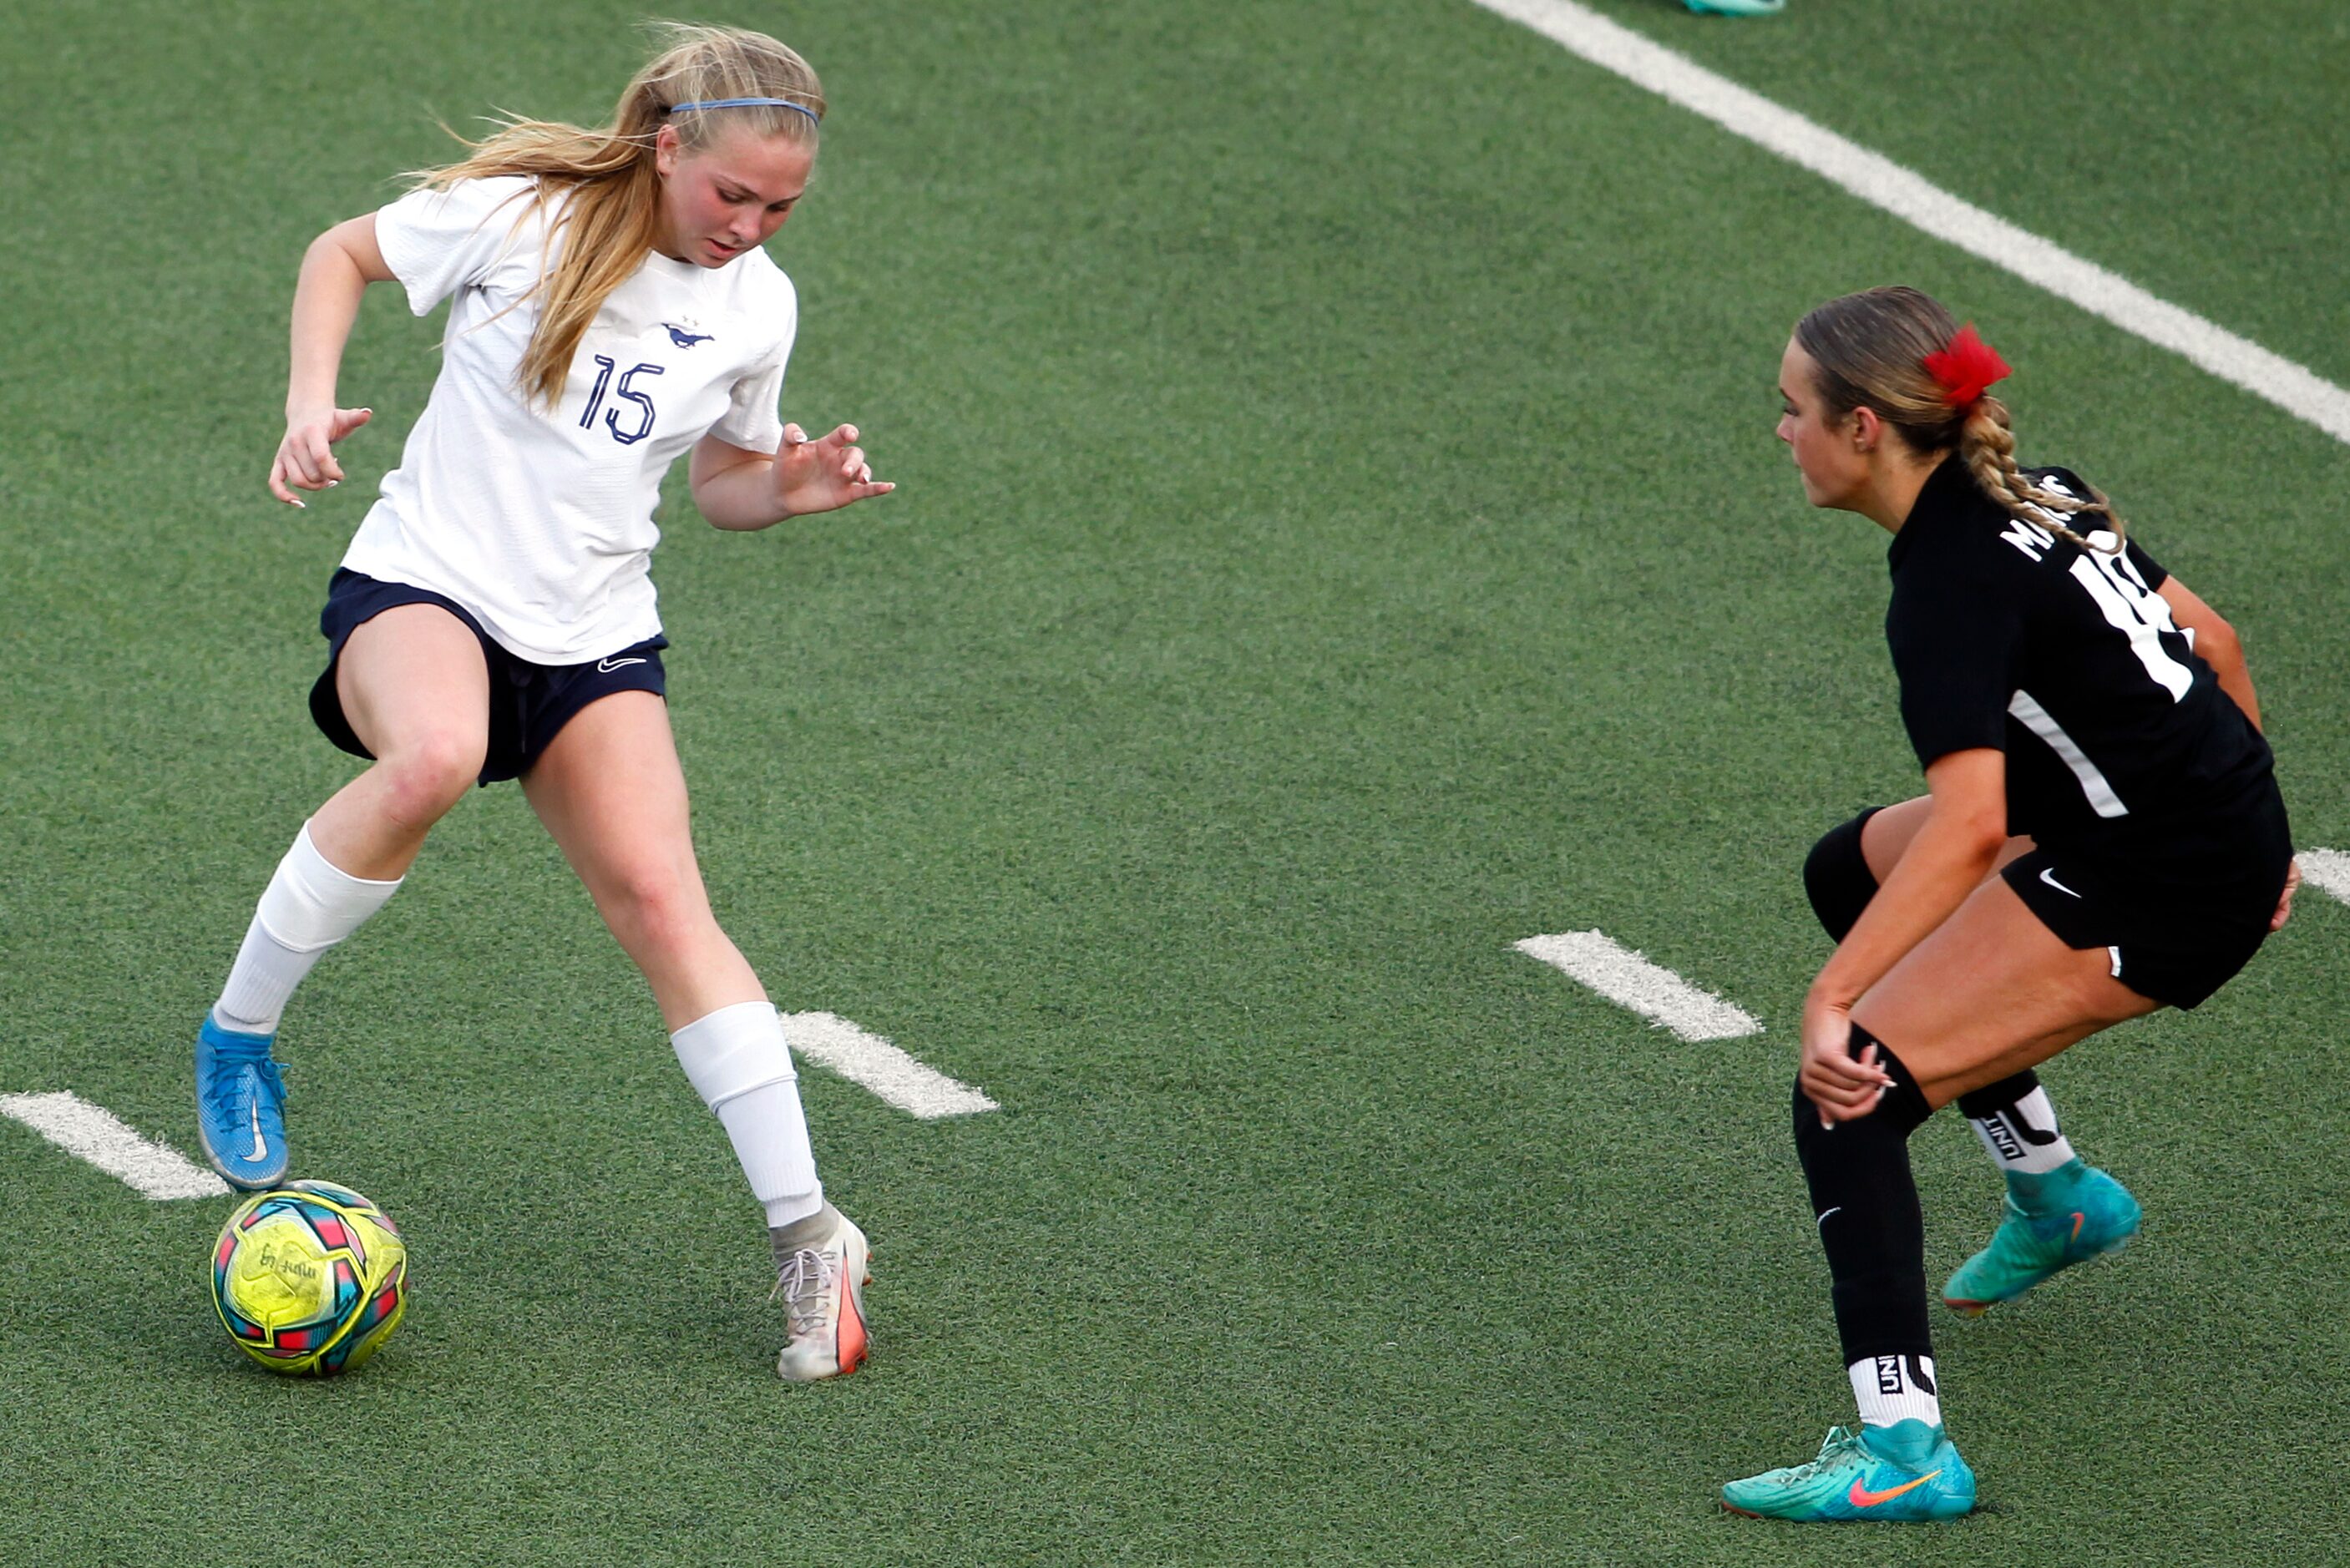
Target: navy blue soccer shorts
529,703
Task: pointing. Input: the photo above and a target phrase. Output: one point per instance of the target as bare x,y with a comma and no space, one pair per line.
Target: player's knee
1900,1111
657,912
1838,877
427,775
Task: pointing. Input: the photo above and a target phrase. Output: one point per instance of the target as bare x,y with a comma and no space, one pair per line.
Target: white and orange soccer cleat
822,1288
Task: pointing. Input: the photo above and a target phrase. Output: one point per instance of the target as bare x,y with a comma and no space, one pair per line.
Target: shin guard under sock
310,905
739,1064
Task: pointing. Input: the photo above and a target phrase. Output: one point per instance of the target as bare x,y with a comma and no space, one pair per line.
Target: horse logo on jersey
684,340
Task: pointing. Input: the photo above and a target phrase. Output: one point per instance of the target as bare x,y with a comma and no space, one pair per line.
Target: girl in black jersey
2102,836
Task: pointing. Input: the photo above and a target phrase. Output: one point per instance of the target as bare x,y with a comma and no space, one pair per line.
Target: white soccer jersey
540,522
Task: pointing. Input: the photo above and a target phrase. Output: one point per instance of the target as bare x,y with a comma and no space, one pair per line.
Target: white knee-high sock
307,908
738,1063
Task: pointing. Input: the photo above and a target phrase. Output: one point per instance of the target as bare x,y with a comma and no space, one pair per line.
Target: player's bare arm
2216,643
737,489
2218,646
336,272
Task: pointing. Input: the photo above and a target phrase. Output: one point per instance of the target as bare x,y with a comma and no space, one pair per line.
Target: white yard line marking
833,1042
1626,979
2328,870
97,1135
1882,182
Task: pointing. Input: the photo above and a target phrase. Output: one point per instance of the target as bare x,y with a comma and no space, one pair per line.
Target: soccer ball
309,1278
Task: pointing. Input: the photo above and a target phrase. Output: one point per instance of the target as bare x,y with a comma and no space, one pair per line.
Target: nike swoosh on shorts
2048,875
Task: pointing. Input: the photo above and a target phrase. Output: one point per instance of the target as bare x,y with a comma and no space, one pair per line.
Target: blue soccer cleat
239,1106
2051,1222
1737,7
1907,1472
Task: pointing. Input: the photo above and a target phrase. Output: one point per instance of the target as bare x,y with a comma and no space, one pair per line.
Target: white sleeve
751,420
437,242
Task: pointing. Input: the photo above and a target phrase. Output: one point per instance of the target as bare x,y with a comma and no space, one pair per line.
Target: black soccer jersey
2118,739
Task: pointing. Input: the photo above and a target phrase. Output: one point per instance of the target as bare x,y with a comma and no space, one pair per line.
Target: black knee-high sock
1993,1098
1836,877
1869,1221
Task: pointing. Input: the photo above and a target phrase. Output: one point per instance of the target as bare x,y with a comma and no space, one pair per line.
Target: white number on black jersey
2134,610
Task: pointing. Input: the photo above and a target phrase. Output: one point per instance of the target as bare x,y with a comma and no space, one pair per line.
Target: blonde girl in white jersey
611,309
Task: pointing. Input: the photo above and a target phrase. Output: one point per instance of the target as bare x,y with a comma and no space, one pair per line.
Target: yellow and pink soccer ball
309,1278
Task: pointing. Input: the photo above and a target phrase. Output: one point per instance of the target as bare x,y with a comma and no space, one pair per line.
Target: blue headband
748,103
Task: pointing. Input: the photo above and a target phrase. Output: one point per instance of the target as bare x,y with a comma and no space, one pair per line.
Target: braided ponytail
1987,446
1892,349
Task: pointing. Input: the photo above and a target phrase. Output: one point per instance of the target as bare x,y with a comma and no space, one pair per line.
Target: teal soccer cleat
1907,1472
239,1106
2069,1216
1737,7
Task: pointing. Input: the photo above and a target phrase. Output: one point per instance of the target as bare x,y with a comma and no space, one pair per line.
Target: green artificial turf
1339,534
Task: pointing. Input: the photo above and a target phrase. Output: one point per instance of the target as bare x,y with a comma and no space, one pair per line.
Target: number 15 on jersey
623,392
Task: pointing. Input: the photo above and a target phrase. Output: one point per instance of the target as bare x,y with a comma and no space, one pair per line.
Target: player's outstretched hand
1839,1084
2284,900
826,474
306,457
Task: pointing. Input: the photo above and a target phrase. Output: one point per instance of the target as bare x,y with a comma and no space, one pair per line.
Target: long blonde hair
612,217
1871,349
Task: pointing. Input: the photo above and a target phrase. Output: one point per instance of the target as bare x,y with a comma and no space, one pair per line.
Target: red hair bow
1966,369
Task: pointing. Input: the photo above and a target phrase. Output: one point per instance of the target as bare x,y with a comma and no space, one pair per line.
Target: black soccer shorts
2175,933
